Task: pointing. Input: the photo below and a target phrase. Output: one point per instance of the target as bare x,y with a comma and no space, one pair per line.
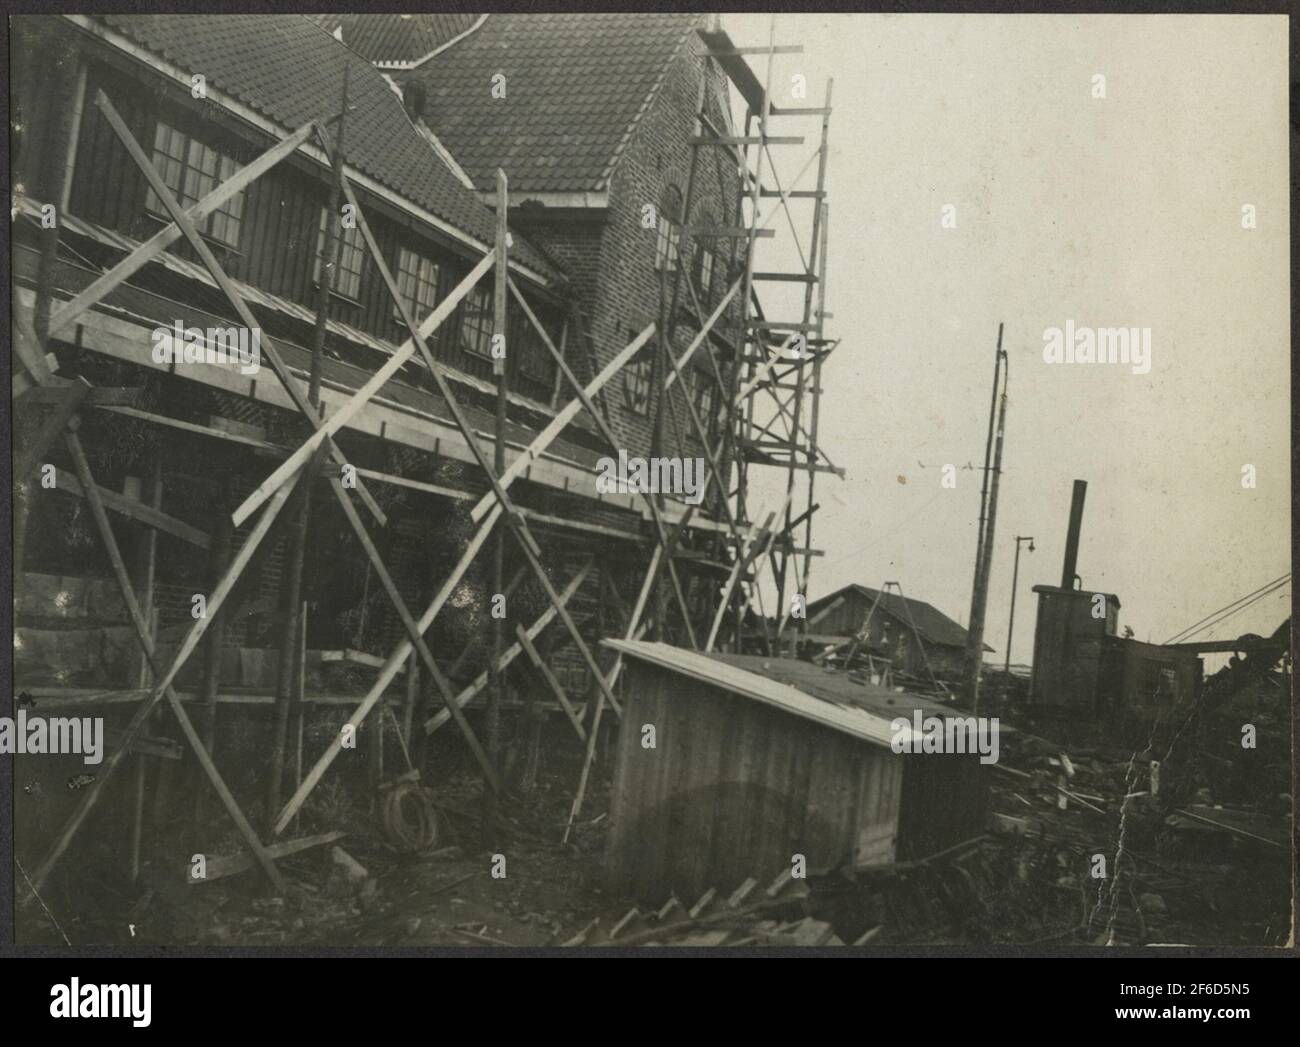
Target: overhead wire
1230,608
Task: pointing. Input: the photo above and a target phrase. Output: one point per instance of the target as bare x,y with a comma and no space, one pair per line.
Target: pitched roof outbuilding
800,689
933,624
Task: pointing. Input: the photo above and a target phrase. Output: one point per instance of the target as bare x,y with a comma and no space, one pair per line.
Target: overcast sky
1122,211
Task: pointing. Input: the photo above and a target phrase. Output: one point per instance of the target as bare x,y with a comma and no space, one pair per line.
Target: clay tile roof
576,84
396,38
290,70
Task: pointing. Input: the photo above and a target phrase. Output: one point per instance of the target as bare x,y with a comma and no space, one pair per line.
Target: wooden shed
755,760
912,635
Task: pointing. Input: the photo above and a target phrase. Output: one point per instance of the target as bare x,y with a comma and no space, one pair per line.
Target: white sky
1117,212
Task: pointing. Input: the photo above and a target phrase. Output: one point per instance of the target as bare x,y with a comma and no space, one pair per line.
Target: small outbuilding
729,765
912,635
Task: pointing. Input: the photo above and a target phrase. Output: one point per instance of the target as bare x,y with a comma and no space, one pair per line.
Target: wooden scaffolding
768,359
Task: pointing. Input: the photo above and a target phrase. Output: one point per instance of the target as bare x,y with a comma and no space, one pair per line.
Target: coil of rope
408,818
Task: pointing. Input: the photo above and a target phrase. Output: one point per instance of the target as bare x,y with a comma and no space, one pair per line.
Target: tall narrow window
705,399
347,279
534,358
704,274
636,380
191,170
417,283
705,245
668,229
476,321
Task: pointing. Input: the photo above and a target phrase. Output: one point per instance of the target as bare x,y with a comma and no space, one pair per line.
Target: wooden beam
413,631
517,524
729,232
52,393
361,397
219,866
733,140
570,411
194,427
163,683
136,510
386,675
791,278
703,333
634,625
510,653
778,325
544,671
172,232
291,385
565,524
779,49
55,422
793,194
143,745
27,348
416,485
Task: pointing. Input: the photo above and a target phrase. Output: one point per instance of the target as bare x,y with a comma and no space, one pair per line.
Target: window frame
351,248
414,277
668,231
638,376
705,392
704,256
189,181
471,307
535,362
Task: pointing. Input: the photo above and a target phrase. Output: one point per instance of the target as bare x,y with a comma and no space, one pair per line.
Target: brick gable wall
628,293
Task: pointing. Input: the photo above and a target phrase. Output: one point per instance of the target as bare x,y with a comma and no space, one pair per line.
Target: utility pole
492,712
1015,575
984,485
988,515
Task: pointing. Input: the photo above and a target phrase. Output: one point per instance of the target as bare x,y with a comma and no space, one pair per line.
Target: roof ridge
608,174
337,39
448,44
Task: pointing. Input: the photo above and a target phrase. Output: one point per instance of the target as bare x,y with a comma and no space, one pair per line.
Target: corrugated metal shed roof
831,704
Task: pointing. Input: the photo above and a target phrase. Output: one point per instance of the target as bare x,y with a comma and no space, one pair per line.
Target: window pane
189,168
476,322
347,277
636,381
417,283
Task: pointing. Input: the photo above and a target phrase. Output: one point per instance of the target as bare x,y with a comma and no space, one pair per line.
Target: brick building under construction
482,254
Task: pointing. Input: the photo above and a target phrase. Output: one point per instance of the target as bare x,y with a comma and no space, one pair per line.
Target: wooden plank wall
279,228
735,789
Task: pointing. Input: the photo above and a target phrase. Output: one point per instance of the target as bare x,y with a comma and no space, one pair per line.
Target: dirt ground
447,896
1178,880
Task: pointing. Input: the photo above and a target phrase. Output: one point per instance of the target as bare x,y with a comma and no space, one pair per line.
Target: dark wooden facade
1082,670
1145,682
890,634
276,245
1068,648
